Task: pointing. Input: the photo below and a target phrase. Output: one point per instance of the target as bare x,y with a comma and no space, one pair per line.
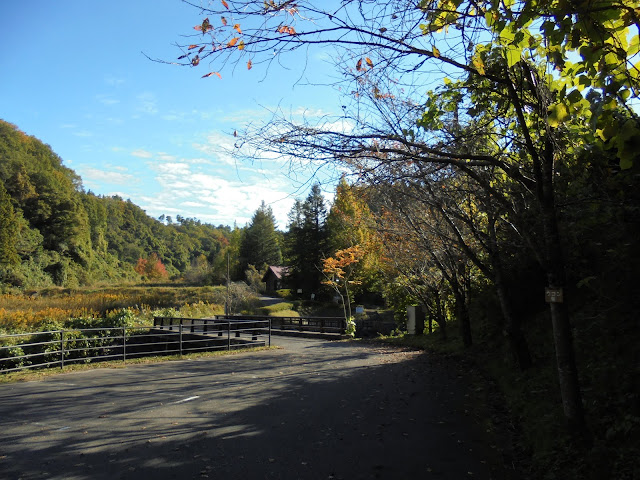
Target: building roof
279,272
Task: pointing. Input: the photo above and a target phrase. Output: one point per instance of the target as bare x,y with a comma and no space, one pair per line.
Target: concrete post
415,320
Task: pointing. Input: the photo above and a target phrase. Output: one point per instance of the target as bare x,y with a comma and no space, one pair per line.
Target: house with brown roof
275,278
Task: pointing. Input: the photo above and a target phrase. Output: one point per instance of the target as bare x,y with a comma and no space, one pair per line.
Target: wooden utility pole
226,302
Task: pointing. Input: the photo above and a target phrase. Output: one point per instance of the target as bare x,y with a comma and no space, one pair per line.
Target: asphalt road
311,410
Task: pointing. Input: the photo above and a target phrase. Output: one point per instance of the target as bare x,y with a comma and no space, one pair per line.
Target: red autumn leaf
213,73
237,27
191,47
226,5
286,29
195,60
369,62
249,65
359,65
224,21
198,28
202,48
232,42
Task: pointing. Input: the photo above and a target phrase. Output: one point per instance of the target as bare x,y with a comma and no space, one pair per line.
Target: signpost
553,295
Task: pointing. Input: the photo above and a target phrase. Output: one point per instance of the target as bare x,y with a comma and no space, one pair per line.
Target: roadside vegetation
500,195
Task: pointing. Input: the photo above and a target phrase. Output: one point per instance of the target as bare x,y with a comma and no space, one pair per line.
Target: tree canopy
503,97
54,232
260,244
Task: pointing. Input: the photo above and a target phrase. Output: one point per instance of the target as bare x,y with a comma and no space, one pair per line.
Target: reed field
56,307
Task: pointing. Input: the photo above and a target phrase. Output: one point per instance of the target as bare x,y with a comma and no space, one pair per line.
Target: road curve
310,410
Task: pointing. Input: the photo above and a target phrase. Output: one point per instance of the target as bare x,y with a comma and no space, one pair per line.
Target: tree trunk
554,265
517,341
513,330
462,314
562,335
442,322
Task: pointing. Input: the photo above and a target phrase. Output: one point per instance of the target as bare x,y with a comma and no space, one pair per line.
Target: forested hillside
53,232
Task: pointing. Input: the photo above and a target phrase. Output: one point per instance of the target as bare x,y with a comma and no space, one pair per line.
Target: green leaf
557,114
574,96
626,161
489,18
513,55
507,36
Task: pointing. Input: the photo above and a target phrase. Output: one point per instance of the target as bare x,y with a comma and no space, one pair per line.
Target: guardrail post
124,344
180,330
61,348
228,336
269,332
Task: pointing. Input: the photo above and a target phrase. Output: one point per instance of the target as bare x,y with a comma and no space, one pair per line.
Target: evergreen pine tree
307,241
260,243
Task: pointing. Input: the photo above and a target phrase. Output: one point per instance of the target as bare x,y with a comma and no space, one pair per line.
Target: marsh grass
36,309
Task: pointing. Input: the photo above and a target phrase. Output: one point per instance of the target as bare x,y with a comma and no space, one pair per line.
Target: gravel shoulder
311,410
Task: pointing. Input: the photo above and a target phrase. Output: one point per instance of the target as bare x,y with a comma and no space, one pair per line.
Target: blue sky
72,73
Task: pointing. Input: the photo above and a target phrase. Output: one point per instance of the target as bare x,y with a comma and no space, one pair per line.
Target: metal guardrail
336,325
238,331
168,336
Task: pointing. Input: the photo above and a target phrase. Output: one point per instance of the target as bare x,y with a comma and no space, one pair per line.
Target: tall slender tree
260,244
307,240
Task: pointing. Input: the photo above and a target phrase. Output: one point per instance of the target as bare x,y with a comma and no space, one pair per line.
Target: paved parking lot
313,409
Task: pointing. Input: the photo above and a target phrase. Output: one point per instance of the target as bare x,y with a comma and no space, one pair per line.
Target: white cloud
83,133
166,157
308,112
172,117
147,103
141,153
113,81
94,175
198,161
241,117
107,99
219,146
173,169
215,197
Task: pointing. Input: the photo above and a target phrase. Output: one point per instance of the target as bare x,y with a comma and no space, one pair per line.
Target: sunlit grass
30,311
40,374
284,313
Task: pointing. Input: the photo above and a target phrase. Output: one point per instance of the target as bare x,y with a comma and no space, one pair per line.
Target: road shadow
354,411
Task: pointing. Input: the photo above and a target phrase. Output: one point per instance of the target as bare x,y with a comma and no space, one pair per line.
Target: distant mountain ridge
53,232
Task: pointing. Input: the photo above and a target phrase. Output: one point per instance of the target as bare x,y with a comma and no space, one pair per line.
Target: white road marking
186,399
